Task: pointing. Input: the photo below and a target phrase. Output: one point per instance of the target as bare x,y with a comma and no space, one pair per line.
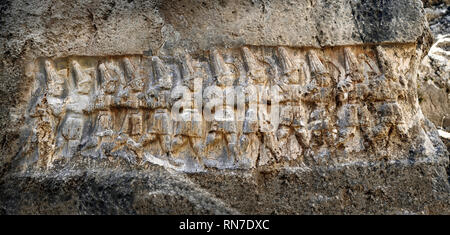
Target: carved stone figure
347,92
55,88
158,98
319,92
389,114
76,104
254,91
103,101
132,125
291,124
223,123
48,113
189,127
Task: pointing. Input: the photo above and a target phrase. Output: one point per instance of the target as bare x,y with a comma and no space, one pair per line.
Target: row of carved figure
123,107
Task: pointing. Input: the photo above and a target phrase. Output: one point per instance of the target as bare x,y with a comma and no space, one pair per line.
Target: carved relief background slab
328,105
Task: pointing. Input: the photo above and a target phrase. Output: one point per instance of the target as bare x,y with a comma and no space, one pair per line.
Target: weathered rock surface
434,72
330,121
438,17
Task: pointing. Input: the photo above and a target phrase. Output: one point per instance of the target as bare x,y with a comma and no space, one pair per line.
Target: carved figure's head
162,73
135,80
55,81
318,71
223,72
109,82
84,81
256,72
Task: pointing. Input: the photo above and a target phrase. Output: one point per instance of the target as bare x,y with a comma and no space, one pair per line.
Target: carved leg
197,145
177,142
147,138
381,130
244,143
136,124
282,132
343,135
71,148
166,143
272,143
212,138
402,130
302,134
232,140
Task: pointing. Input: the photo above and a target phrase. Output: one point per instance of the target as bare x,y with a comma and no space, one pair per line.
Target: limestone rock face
434,78
434,83
438,17
211,107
